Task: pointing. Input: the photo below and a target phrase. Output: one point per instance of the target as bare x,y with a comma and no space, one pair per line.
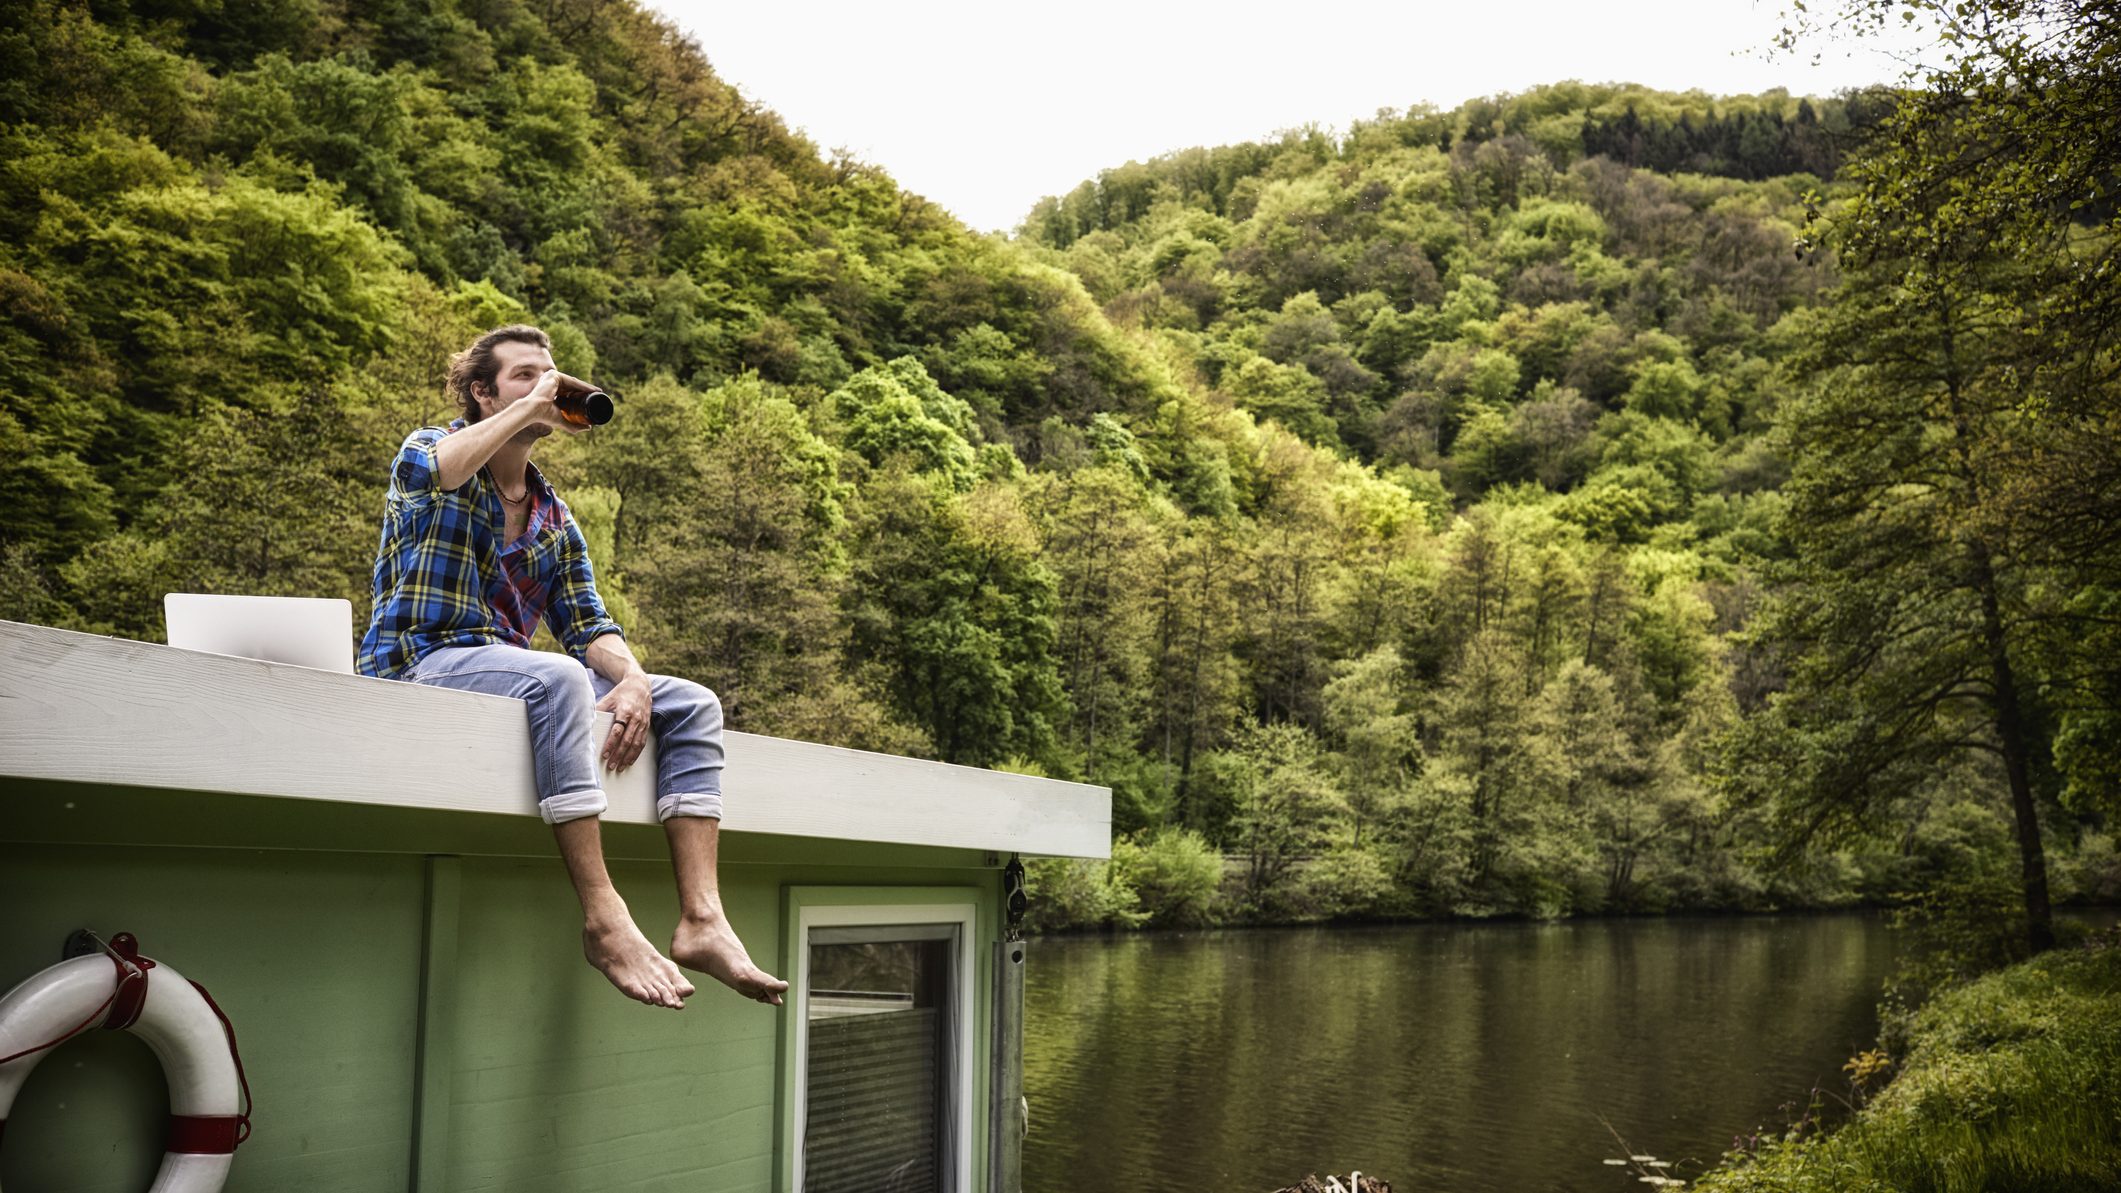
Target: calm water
1439,1057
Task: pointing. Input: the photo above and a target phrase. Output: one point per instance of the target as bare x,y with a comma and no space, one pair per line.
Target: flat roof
82,708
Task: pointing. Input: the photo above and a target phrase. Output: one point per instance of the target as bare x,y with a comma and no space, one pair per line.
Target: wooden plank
807,790
89,709
106,710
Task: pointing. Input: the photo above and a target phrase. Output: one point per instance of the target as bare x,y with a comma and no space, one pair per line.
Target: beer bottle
581,403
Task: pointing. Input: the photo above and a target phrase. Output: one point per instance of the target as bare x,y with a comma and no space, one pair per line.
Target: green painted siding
315,958
343,960
561,1083
434,1066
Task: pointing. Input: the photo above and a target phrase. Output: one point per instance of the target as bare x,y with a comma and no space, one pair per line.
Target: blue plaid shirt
443,576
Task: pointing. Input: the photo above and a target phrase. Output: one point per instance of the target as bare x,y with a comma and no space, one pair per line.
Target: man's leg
556,692
704,940
610,939
687,721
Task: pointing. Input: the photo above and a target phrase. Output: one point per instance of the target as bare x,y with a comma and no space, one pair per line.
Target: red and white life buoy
112,989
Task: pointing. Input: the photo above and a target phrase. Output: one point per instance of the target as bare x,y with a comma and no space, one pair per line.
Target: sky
984,107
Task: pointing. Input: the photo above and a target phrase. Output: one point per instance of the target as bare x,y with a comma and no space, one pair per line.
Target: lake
1468,1058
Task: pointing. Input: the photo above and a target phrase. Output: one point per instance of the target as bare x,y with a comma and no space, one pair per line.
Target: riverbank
1150,891
1177,879
2010,1082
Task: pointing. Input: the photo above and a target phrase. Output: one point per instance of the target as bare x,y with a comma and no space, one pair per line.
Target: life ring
110,988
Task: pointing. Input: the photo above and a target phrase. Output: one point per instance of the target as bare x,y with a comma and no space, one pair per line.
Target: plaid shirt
444,578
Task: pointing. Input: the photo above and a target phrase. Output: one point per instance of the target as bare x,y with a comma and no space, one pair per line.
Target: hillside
1388,509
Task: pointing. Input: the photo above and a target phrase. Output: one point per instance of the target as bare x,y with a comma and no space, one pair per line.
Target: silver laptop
306,631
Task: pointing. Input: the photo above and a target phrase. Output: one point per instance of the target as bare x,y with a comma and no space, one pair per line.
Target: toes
652,990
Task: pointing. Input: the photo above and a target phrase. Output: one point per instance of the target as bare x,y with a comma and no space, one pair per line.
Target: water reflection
1436,1056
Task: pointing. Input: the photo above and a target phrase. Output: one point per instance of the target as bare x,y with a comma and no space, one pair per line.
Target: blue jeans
561,695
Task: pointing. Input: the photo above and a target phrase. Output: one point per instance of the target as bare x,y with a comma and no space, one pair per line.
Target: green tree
896,410
2001,150
1285,804
1287,394
1281,638
1195,676
1908,604
1175,874
1099,541
266,502
1377,747
1482,753
950,600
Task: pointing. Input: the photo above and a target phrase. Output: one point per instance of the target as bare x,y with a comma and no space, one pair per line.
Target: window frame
963,908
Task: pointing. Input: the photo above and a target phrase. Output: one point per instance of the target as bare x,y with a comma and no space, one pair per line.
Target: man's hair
476,365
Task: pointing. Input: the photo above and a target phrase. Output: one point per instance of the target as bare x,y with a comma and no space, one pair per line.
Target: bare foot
709,945
618,949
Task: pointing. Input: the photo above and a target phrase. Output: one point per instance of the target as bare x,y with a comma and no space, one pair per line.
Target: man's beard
532,433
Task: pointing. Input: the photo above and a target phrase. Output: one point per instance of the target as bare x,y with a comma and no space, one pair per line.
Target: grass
2011,1084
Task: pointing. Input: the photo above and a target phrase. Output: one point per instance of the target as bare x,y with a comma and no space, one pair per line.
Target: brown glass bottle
581,403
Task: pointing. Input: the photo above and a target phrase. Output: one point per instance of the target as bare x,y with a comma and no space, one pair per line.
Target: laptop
306,631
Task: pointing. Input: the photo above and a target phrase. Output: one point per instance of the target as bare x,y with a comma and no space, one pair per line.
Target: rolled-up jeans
562,695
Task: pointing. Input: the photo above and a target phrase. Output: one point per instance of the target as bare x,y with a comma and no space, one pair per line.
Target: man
476,550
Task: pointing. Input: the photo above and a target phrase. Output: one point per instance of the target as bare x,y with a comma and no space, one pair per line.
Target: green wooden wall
412,1021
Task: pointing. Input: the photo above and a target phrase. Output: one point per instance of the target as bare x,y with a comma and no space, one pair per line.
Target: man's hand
545,410
628,701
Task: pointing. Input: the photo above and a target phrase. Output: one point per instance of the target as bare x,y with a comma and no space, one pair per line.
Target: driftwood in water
1356,1182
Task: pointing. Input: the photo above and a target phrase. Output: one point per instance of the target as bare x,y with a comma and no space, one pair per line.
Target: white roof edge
92,709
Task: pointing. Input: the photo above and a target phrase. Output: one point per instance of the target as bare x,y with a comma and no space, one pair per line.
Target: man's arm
629,701
459,456
576,616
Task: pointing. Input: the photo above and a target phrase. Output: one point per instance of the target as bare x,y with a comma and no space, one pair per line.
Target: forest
1588,500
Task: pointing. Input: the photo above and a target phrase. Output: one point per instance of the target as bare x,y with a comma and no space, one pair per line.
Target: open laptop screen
306,631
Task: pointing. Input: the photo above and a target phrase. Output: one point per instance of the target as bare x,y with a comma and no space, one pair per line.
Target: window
883,1053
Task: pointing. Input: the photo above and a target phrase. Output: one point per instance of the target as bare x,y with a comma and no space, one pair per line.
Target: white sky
986,107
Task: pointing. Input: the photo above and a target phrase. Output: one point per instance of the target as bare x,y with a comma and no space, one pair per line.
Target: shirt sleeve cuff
579,645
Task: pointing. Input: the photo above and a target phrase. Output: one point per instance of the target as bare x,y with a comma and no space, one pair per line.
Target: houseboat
354,873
